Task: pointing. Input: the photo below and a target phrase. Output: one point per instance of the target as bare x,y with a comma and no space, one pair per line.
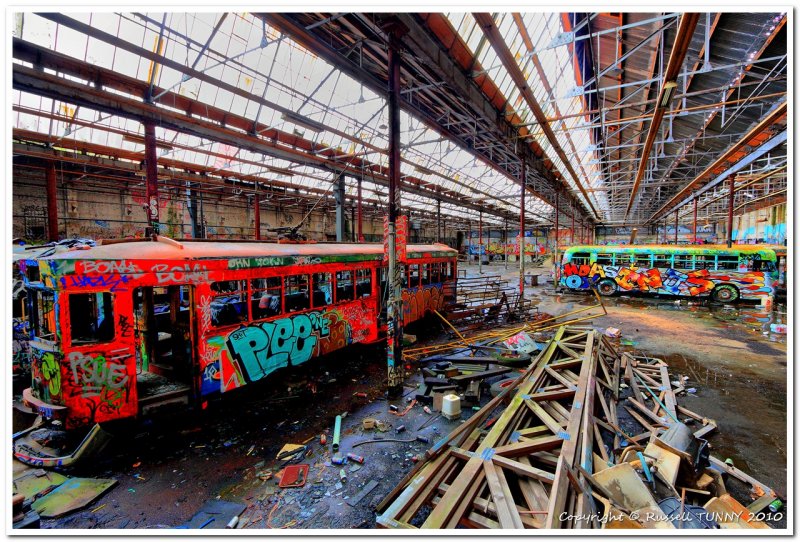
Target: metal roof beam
680,46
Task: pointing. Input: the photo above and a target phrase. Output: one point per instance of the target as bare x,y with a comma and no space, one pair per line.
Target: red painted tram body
126,326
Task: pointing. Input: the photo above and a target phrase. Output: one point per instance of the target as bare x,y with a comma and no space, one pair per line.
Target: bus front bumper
53,412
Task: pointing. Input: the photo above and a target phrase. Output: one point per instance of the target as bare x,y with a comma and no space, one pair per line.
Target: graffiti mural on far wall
668,281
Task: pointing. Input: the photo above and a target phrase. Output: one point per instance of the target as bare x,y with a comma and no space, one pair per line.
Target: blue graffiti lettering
262,348
115,283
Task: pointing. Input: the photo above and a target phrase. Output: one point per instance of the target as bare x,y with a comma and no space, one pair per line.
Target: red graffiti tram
126,326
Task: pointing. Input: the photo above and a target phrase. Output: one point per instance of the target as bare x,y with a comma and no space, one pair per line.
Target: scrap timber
549,452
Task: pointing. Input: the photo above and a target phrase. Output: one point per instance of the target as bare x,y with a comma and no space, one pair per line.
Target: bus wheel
607,287
725,293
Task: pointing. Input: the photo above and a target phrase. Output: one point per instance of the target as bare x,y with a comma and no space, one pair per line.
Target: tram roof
209,250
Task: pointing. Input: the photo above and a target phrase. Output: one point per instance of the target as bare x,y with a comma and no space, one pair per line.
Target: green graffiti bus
726,274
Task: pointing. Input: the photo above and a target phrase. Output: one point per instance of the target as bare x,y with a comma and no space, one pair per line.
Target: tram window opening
436,273
44,315
229,303
644,260
363,282
91,318
323,289
426,274
265,297
413,276
757,264
450,271
684,261
296,293
345,289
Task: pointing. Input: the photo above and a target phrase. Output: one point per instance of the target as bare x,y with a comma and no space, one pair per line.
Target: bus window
727,262
228,305
643,260
344,286
296,293
662,261
605,259
760,265
580,258
91,318
265,297
363,282
323,289
426,274
705,261
44,315
413,275
684,261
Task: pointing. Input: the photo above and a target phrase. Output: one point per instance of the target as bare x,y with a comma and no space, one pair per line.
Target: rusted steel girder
756,137
680,46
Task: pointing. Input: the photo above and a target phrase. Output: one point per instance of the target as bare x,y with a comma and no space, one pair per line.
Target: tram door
164,333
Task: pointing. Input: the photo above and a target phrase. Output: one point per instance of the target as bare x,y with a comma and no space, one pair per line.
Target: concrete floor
184,461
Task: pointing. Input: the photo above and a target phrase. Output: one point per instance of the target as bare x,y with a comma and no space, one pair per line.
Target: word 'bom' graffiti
262,348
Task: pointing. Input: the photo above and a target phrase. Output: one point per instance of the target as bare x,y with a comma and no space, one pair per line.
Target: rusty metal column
257,214
730,212
694,221
522,235
151,170
555,246
359,214
572,231
394,355
52,203
480,242
676,226
438,220
338,193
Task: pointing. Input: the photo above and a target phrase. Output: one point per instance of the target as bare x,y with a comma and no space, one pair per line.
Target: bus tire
606,287
725,293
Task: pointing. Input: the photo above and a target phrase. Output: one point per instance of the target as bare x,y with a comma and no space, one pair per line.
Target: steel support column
257,215
676,226
480,242
438,220
359,214
52,202
151,171
730,211
338,193
522,235
555,246
394,340
694,222
572,231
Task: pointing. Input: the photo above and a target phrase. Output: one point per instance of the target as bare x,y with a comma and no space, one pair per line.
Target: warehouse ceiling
621,118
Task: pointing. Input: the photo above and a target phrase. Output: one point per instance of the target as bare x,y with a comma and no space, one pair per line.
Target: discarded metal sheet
72,495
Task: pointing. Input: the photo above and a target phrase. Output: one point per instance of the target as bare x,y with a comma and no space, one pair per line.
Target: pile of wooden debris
550,452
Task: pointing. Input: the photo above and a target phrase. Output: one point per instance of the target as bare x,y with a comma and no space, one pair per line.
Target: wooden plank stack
549,452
